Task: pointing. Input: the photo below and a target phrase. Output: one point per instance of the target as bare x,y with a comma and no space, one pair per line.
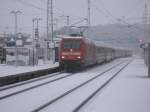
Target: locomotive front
71,53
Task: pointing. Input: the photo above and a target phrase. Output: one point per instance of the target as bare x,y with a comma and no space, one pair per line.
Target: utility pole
148,48
50,29
89,12
56,24
68,20
145,15
35,38
68,23
33,22
37,27
16,31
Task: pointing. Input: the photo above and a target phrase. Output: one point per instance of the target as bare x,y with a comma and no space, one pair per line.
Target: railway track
13,90
6,93
29,81
46,91
56,100
81,105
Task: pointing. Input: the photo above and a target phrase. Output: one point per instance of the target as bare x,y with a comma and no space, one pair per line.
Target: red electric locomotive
76,52
79,52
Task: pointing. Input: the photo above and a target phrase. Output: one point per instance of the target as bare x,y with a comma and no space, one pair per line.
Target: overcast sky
102,12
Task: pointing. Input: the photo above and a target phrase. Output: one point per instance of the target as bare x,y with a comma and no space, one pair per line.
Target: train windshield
71,44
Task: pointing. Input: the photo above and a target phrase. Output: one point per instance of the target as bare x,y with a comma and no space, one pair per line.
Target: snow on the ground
129,92
78,96
6,70
29,100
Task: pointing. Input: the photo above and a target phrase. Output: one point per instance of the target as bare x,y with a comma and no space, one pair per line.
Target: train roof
71,37
97,43
103,44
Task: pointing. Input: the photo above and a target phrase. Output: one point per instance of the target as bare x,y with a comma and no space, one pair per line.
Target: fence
25,56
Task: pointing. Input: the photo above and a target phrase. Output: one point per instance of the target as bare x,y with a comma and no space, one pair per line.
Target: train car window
71,44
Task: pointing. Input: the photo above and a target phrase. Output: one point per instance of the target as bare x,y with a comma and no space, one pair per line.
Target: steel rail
73,89
99,89
29,81
33,87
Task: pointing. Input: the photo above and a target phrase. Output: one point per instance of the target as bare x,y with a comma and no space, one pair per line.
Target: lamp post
35,38
16,13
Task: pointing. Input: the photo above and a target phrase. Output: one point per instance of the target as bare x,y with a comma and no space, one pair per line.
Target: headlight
63,57
79,57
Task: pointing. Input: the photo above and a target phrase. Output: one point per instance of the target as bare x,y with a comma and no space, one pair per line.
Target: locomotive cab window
71,44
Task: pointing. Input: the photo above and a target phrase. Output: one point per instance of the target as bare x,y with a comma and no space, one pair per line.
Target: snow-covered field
6,70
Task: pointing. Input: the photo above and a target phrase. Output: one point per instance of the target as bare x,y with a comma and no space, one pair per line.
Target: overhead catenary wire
40,8
56,9
136,5
102,12
110,14
80,21
105,11
30,5
43,10
119,19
